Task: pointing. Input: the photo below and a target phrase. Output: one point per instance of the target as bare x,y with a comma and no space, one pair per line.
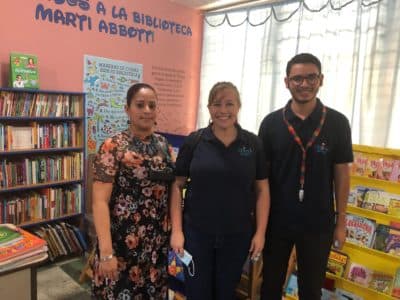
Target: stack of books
19,248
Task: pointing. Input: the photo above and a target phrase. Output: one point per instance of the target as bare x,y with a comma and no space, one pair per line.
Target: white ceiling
210,4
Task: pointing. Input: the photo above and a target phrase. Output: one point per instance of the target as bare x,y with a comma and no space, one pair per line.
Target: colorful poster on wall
105,82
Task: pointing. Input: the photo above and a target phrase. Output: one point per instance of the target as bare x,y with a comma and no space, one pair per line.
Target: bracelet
106,258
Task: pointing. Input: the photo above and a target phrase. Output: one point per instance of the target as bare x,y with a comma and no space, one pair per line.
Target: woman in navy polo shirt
228,186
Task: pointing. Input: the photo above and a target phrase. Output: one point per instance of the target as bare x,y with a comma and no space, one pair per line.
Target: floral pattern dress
138,216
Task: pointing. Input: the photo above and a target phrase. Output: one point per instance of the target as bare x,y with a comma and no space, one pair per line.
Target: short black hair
303,58
134,89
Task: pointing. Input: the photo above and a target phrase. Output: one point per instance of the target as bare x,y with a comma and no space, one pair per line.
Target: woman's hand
257,245
109,269
177,241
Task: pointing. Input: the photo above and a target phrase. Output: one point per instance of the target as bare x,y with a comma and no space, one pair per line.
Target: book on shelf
393,242
360,164
395,175
24,72
376,200
376,166
360,230
381,237
328,295
394,205
79,235
359,274
61,239
381,282
337,262
292,288
346,295
396,284
20,137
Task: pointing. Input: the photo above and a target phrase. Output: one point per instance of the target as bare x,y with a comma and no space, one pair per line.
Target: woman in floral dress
130,200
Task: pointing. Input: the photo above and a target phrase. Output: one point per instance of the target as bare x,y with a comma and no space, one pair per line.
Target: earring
209,121
128,122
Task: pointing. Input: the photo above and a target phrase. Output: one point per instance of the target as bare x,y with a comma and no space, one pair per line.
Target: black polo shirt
284,155
220,197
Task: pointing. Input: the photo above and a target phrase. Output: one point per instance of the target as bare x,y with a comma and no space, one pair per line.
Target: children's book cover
24,72
337,262
381,237
376,200
360,230
396,284
9,235
292,287
393,242
381,282
28,243
360,274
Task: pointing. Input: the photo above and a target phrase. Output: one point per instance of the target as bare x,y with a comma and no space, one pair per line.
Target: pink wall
60,48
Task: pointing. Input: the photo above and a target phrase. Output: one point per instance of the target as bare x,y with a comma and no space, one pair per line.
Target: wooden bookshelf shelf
44,151
378,295
39,186
43,221
39,119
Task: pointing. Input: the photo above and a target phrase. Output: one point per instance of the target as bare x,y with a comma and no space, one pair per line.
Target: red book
27,244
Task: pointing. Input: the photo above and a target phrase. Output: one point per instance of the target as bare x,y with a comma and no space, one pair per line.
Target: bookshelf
373,169
42,151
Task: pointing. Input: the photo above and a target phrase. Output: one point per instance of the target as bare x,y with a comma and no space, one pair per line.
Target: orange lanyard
298,140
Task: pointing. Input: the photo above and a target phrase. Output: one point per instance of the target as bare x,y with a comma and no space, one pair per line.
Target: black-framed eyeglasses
310,79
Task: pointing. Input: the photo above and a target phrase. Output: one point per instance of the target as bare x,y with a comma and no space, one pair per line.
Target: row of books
39,136
374,166
366,232
39,105
340,265
26,171
332,293
45,204
19,247
62,239
375,199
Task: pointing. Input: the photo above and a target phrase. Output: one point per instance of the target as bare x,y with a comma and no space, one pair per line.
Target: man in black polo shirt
308,149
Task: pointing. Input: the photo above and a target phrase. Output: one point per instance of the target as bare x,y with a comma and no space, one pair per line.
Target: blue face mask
187,259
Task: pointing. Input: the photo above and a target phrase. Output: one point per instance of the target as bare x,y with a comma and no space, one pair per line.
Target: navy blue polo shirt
221,197
284,156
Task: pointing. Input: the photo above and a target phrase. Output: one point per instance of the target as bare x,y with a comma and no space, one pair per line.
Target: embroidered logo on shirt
322,148
245,151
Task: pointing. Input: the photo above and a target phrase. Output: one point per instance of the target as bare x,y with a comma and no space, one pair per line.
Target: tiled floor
59,281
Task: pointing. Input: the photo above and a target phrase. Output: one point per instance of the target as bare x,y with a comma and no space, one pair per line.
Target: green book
24,72
8,236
